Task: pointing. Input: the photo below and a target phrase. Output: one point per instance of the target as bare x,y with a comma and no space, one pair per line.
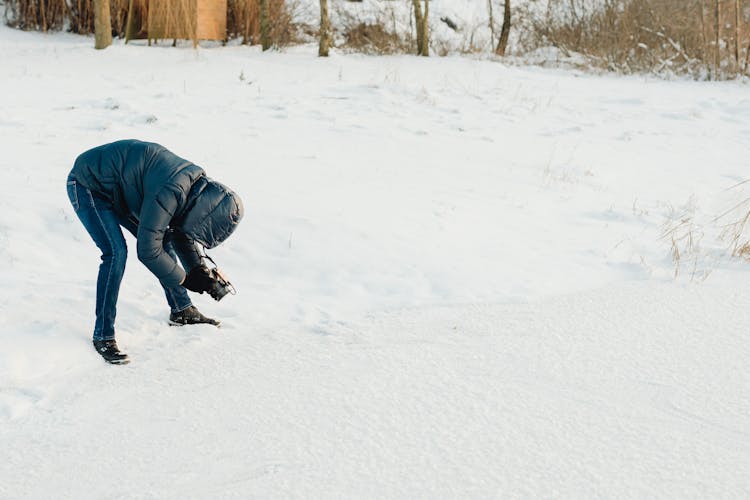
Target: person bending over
172,209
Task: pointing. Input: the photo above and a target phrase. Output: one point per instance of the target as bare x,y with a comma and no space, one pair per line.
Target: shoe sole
174,323
124,361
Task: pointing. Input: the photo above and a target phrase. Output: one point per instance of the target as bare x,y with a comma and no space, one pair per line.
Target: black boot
109,351
190,316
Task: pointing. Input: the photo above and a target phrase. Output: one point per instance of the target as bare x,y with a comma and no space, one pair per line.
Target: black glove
199,280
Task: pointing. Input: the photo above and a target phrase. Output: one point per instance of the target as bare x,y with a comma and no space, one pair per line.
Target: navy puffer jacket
162,194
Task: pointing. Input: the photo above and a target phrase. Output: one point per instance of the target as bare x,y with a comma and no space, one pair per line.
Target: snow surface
451,281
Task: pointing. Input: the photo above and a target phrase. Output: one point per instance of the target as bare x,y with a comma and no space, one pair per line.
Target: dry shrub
35,14
675,36
81,16
243,18
378,29
172,19
45,15
372,39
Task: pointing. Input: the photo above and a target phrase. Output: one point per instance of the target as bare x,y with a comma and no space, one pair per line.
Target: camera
220,286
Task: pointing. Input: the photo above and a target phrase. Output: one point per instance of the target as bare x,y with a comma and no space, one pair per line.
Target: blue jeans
103,224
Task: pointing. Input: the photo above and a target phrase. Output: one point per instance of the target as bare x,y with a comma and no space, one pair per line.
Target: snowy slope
451,282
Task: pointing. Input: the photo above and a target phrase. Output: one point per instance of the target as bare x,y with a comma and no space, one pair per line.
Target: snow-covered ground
451,281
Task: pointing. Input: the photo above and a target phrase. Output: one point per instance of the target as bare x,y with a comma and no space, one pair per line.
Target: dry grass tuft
733,232
684,238
743,252
685,234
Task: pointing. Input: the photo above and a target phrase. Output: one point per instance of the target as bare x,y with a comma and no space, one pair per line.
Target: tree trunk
246,16
418,23
492,23
43,12
325,30
129,25
737,32
102,24
502,44
265,27
704,53
717,27
426,30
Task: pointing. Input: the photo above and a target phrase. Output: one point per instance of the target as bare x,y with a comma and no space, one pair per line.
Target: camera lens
218,291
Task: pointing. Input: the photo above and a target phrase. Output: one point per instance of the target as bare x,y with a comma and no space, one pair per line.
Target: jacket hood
212,212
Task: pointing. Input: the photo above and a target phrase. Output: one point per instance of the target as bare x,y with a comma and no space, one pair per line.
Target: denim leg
177,297
100,221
